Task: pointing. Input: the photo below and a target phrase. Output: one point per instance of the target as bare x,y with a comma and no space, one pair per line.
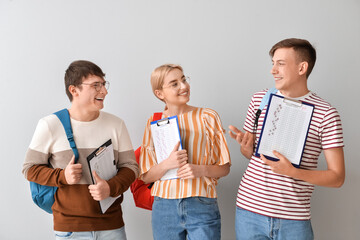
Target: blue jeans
188,218
116,234
249,225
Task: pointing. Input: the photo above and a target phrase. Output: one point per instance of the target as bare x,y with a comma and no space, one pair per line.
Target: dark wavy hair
77,71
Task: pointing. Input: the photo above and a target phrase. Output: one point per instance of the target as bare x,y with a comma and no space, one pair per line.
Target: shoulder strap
266,97
157,116
263,103
64,117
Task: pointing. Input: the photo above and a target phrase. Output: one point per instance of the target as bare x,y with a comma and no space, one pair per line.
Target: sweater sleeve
36,166
121,182
38,151
126,155
44,175
128,169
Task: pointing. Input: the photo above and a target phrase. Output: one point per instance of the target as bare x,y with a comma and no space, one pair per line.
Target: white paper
104,166
285,129
165,135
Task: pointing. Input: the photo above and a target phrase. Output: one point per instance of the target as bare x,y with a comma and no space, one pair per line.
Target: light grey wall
222,45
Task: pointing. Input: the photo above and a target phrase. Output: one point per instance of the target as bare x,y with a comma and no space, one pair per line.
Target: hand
283,166
244,139
73,172
100,190
176,158
190,171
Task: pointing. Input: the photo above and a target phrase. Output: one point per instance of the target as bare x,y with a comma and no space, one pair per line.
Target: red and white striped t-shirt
264,192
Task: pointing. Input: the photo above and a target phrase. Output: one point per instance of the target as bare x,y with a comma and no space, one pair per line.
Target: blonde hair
159,74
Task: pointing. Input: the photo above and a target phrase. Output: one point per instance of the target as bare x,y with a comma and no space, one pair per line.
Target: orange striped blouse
203,137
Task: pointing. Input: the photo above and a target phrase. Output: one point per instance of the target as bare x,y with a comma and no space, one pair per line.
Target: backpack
43,195
141,191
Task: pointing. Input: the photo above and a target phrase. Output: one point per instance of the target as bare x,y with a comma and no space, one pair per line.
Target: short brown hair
159,74
305,51
77,71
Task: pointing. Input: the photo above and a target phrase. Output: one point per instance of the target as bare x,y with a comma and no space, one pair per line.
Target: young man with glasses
273,200
76,211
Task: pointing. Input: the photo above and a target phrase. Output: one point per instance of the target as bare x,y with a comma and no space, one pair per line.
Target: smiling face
86,97
175,90
289,73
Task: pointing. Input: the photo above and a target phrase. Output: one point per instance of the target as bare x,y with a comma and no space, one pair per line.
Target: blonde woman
186,207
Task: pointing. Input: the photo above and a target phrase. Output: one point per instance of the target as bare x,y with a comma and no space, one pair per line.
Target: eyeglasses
176,85
98,85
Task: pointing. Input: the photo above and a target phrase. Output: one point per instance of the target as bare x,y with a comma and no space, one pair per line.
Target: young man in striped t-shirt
273,200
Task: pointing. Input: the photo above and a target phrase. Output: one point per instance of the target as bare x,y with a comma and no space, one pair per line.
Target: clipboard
165,135
102,161
285,129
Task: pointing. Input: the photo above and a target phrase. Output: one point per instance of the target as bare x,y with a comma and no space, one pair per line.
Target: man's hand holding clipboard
102,167
283,166
101,189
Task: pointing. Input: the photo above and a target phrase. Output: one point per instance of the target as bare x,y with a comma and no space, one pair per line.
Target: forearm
155,173
215,171
325,178
121,181
44,175
334,176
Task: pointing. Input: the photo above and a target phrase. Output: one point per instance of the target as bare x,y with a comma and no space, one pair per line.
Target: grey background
222,45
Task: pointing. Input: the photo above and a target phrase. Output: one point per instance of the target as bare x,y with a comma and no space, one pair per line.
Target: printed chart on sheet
102,162
285,128
165,135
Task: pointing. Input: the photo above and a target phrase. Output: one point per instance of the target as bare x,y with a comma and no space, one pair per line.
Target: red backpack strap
137,154
157,116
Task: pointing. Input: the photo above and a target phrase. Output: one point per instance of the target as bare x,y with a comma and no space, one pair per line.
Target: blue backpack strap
64,117
265,99
264,102
43,195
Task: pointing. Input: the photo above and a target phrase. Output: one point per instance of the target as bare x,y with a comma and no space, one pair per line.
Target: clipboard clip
100,150
163,122
292,102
